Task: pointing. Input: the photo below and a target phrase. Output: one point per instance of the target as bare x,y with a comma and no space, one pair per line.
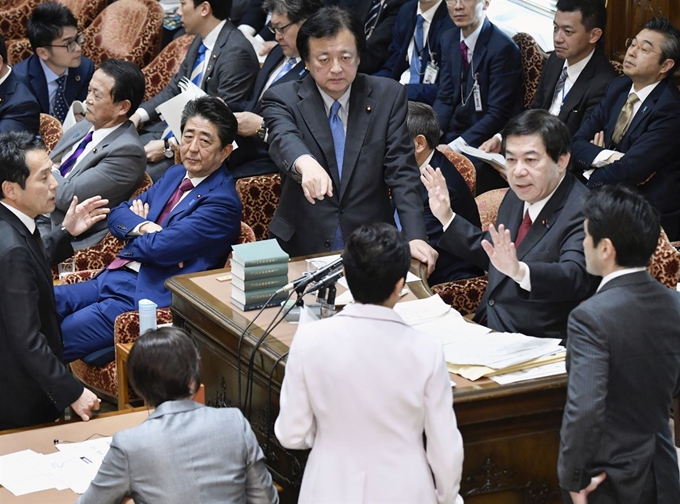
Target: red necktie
523,229
464,54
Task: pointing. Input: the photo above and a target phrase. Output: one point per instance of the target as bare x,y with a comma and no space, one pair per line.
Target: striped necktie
286,68
68,164
373,16
197,70
417,51
559,87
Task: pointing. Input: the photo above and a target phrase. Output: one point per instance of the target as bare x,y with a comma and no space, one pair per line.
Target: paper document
554,369
490,157
473,373
422,310
21,473
171,110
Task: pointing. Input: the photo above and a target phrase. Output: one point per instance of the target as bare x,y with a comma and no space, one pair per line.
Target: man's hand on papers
422,251
316,184
502,253
85,404
582,496
493,144
438,193
248,123
154,151
80,217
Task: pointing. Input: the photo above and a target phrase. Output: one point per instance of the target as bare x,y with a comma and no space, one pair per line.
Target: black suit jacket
449,266
650,162
36,387
623,363
553,250
19,110
378,158
497,65
397,61
584,95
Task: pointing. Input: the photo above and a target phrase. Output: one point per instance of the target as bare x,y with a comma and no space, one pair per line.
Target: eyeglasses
462,2
71,46
279,30
633,43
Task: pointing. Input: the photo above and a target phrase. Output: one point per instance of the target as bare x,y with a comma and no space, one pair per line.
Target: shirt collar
100,134
328,101
25,219
573,71
4,78
211,39
427,161
428,15
195,180
50,76
615,274
371,311
644,92
536,208
471,40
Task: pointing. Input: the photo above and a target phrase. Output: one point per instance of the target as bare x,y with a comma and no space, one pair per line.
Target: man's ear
43,53
420,143
8,190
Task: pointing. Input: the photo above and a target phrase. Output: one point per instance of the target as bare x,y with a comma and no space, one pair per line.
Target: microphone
299,284
329,280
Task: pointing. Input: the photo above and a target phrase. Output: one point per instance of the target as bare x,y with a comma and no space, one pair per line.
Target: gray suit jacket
378,158
230,73
553,250
185,452
113,169
623,361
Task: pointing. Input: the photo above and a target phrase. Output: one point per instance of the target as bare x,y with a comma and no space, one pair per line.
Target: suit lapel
358,123
219,45
39,83
552,75
165,190
72,136
616,110
645,108
31,243
198,192
88,161
273,60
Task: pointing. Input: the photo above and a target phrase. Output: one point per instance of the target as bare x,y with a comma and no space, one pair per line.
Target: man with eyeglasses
631,136
57,73
220,61
283,64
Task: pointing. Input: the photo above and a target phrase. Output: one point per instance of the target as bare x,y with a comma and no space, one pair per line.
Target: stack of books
258,270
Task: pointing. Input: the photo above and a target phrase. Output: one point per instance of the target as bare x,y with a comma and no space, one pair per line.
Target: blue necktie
286,68
59,105
338,132
417,51
197,70
372,20
67,165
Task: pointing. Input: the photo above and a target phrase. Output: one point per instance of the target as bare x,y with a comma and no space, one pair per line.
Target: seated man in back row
185,223
534,254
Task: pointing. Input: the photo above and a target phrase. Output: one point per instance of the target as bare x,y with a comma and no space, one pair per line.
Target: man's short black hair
14,145
625,217
422,120
327,23
221,9
128,82
593,12
215,111
553,132
296,10
376,257
670,47
47,24
164,365
3,50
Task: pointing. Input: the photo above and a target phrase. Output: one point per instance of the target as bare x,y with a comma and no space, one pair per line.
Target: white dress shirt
428,15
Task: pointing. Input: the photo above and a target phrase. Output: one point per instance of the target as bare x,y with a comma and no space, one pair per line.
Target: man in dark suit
480,83
58,73
630,136
102,154
19,110
415,53
36,387
576,74
341,142
283,64
534,254
219,60
423,126
623,364
185,223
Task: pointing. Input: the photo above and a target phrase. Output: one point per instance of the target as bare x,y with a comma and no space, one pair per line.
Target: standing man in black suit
534,253
36,387
283,64
577,73
623,364
630,137
341,142
19,110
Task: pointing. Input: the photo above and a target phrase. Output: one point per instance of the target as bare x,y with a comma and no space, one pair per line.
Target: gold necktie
625,116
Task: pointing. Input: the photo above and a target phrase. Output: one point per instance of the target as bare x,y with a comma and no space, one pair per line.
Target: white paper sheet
21,473
422,310
556,368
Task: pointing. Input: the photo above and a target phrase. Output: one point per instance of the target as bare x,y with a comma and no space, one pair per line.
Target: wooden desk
511,433
41,439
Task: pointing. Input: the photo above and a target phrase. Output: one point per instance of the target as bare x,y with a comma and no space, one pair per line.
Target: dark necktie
67,165
464,54
59,105
559,87
373,16
523,229
418,36
624,118
38,239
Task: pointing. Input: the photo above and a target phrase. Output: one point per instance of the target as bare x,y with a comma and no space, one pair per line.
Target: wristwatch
262,131
167,151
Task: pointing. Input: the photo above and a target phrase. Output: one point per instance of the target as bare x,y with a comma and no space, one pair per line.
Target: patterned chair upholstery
104,379
618,66
488,204
50,130
260,197
126,29
85,11
18,50
159,72
533,59
665,263
464,167
14,14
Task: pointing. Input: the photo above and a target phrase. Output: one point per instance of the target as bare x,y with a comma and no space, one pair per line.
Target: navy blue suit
650,162
398,62
449,266
19,110
497,65
30,72
198,233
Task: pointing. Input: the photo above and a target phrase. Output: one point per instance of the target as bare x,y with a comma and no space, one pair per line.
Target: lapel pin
94,151
369,109
77,78
214,56
0,100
